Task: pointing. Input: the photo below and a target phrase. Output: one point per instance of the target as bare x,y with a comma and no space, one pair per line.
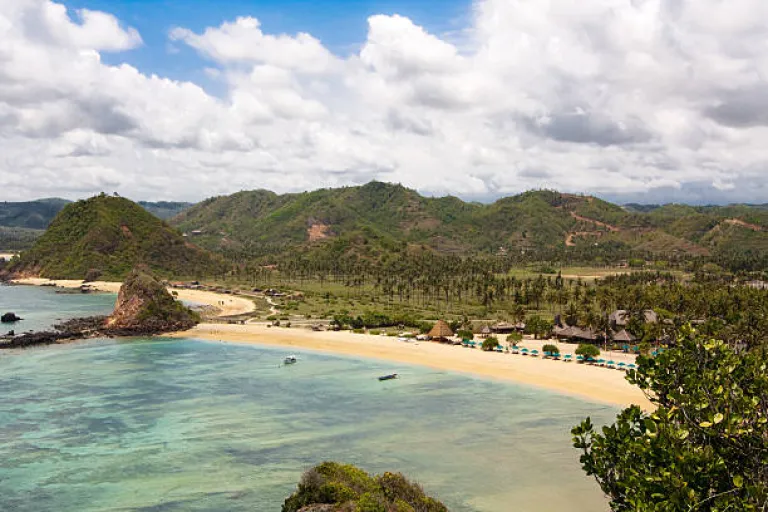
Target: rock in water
8,318
144,306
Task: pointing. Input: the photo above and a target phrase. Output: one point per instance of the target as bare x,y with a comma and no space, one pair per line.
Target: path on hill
569,242
743,224
609,227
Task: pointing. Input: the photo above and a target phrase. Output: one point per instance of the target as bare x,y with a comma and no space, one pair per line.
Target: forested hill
21,223
377,217
105,237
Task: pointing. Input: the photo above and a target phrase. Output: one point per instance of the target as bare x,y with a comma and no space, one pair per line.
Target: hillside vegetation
106,237
377,218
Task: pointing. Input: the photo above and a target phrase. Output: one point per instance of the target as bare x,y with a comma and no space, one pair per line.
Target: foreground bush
349,488
704,448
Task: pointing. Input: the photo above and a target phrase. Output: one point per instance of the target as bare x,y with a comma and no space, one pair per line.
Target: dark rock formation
144,306
8,318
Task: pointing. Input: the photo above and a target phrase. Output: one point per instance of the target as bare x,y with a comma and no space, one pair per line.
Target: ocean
180,424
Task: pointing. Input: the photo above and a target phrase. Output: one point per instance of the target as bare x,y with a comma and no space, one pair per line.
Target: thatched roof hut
620,317
623,336
503,328
485,332
441,331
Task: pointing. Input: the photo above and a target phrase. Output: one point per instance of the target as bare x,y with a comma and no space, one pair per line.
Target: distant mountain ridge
39,213
378,217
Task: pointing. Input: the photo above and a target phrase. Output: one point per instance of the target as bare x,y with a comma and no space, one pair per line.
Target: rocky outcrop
8,318
144,306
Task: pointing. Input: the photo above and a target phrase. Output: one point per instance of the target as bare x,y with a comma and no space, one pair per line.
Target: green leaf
718,418
705,424
738,481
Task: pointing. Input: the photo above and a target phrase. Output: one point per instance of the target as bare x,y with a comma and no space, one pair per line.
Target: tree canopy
704,447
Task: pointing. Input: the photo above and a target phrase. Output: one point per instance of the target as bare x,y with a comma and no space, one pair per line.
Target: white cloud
604,96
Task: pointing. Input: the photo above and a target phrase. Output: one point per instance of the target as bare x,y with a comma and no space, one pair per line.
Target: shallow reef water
165,425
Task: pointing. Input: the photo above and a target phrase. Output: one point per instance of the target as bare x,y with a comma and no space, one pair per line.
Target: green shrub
358,331
514,338
588,351
552,349
374,332
702,444
465,334
490,343
350,489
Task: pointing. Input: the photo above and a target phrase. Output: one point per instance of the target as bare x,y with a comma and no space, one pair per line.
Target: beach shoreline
601,385
592,383
227,305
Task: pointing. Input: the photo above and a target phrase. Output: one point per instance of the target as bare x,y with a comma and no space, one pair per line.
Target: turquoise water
41,307
167,425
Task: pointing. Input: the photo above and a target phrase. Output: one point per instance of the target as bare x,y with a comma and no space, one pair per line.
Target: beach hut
485,332
623,337
503,328
441,331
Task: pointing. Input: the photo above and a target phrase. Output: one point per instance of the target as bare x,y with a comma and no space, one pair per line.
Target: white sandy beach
226,304
589,382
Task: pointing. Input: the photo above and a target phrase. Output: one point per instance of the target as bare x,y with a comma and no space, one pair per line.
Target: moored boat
290,360
388,377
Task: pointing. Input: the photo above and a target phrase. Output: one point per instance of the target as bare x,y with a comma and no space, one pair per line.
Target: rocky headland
144,307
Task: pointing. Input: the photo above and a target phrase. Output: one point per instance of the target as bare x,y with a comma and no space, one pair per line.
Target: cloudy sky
632,100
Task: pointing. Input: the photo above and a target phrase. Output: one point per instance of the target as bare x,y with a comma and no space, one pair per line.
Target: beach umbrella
534,352
611,363
579,358
631,366
567,357
547,354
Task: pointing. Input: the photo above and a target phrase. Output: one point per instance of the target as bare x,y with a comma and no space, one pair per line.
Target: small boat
388,377
290,360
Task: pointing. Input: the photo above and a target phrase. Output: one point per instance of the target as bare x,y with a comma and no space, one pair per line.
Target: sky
632,100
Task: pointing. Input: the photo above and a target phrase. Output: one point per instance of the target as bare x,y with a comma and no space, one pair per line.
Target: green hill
378,217
108,236
21,223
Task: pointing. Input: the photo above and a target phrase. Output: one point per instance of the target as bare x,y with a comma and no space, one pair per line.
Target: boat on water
290,360
388,377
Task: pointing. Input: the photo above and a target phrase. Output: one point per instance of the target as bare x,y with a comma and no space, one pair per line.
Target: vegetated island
334,487
144,307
